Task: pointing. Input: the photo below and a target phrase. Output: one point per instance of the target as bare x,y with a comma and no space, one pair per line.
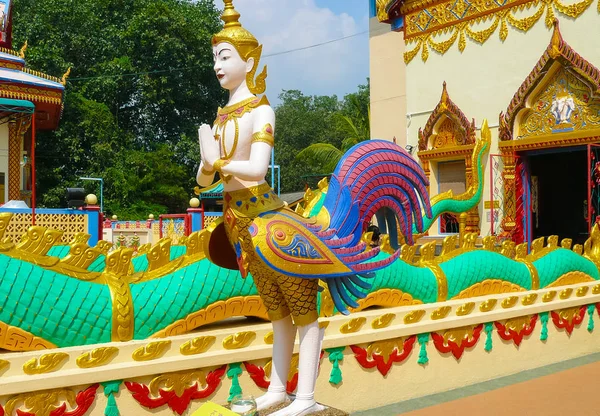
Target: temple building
29,101
439,68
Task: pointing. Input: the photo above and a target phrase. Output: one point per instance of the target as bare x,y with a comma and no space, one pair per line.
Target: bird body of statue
285,253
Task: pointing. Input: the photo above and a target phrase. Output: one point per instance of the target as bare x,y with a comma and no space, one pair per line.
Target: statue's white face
229,66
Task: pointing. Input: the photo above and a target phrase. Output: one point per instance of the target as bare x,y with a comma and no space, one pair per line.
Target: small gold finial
557,40
445,97
63,80
22,50
230,16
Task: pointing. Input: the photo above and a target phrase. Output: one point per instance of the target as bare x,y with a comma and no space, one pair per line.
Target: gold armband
218,165
207,172
265,135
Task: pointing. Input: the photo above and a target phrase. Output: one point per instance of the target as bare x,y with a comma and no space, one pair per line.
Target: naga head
237,54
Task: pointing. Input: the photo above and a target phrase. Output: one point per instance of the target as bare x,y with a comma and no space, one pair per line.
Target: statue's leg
301,295
284,335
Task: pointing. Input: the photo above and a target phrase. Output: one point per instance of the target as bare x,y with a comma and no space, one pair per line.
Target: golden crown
244,42
233,32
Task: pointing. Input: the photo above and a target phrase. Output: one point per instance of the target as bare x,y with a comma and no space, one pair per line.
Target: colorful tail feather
372,175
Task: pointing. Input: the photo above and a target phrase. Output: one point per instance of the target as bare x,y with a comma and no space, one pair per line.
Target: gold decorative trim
115,275
177,382
13,338
465,309
596,290
151,351
489,287
383,321
47,363
197,345
488,305
353,325
97,357
239,340
387,298
414,317
566,293
268,339
237,306
549,297
440,313
582,291
529,299
510,302
4,365
571,278
438,26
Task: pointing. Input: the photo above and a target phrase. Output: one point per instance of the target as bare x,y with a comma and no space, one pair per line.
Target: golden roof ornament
245,43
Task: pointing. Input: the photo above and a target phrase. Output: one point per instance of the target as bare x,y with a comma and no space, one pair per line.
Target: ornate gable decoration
439,24
560,95
446,127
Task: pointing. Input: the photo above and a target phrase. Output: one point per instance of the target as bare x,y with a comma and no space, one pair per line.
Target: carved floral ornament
447,126
439,25
560,97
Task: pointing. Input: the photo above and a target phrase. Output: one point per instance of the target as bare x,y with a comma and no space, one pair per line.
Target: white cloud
281,25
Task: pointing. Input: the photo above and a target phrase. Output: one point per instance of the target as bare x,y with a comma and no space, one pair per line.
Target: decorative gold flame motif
151,351
548,297
45,364
440,313
96,358
353,325
268,339
197,345
529,299
177,382
566,293
239,340
414,317
488,305
510,302
383,321
465,309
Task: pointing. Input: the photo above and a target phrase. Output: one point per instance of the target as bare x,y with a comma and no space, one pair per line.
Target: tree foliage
141,83
347,123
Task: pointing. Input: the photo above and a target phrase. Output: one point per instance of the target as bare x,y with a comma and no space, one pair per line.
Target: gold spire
245,43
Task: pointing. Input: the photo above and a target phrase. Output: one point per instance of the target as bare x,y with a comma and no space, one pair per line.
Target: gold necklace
231,108
229,155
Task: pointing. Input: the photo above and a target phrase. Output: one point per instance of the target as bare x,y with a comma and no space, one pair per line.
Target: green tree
352,121
301,121
141,83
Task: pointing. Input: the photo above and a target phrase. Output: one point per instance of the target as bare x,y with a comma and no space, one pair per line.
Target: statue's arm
256,167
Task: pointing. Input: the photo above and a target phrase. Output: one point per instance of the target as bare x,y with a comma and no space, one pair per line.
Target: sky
284,25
